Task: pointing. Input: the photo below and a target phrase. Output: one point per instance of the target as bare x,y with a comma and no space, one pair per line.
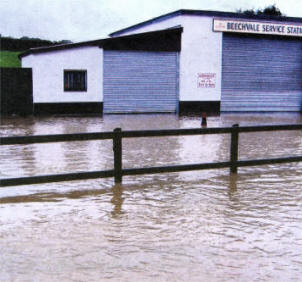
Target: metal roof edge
98,43
147,22
58,47
205,13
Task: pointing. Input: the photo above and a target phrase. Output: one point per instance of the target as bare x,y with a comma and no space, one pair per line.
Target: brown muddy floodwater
190,226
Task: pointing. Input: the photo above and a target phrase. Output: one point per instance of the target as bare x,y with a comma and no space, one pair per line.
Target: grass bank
9,59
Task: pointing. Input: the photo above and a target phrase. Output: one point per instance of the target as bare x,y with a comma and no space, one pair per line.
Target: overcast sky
80,20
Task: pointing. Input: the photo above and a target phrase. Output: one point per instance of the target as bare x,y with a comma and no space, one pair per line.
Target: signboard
257,27
206,80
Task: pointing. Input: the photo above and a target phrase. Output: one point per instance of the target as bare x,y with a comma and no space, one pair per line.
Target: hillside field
9,59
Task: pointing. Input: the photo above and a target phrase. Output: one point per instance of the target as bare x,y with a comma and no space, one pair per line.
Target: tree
271,10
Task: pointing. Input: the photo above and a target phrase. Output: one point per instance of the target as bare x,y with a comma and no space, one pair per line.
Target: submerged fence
117,135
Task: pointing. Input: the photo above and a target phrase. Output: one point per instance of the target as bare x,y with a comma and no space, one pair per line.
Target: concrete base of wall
197,107
187,107
68,108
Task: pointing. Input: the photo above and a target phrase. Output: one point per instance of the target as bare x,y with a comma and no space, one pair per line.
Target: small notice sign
206,80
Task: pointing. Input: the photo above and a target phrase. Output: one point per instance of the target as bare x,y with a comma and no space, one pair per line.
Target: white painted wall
48,74
201,52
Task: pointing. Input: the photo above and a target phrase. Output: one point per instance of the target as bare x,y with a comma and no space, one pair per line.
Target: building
187,60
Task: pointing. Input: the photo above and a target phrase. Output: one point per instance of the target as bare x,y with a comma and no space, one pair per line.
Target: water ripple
191,226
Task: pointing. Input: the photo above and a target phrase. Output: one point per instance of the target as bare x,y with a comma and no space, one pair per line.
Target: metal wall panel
261,74
139,82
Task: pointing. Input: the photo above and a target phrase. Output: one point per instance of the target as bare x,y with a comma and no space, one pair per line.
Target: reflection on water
117,200
190,226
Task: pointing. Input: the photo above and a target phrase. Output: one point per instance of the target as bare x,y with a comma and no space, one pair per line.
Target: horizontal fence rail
15,140
117,135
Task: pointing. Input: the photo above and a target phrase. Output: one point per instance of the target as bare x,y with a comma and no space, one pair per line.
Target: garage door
261,74
140,82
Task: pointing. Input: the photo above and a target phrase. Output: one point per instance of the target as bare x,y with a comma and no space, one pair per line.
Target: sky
81,20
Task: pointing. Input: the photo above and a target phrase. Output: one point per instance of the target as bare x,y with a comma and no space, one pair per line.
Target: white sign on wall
206,80
257,27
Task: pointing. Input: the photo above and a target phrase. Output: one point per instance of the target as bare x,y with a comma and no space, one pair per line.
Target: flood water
189,226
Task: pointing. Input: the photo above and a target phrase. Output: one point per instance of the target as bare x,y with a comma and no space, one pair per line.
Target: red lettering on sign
206,80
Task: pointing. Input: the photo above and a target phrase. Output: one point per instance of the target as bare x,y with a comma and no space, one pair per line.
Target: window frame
75,89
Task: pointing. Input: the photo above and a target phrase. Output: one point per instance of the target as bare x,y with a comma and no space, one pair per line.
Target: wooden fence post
117,149
234,148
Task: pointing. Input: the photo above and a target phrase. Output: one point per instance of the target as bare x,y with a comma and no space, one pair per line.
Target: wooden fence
117,135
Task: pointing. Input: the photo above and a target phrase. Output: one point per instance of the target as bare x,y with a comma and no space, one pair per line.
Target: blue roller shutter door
261,74
140,82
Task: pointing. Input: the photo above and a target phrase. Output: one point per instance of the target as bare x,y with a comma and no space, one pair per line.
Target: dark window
75,80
